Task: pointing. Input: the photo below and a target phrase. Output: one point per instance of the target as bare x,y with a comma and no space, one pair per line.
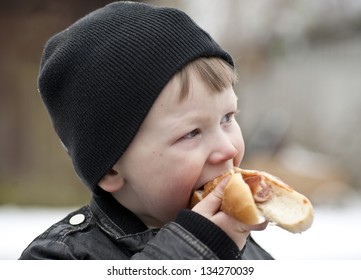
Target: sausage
260,189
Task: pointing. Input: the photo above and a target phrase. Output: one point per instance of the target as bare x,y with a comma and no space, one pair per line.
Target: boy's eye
191,134
227,118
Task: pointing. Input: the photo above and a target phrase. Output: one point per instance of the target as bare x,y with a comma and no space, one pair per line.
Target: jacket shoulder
55,242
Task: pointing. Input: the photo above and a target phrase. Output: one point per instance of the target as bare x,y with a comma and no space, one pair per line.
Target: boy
142,100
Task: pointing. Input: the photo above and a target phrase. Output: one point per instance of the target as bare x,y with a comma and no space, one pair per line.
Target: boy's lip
201,187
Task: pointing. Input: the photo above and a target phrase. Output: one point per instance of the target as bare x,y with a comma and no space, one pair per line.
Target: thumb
210,205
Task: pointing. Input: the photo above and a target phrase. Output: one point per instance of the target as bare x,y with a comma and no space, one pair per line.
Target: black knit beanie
100,77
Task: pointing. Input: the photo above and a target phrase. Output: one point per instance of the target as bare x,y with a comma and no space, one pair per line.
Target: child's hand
209,208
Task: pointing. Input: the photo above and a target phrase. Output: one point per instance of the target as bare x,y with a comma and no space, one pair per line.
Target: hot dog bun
253,196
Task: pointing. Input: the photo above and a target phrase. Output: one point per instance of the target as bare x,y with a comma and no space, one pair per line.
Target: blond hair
214,71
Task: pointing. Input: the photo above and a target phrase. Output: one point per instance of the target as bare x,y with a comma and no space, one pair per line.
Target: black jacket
104,229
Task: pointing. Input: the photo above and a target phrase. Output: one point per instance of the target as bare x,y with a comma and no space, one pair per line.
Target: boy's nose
223,150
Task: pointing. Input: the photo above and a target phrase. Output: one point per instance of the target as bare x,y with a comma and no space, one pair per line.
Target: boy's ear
112,181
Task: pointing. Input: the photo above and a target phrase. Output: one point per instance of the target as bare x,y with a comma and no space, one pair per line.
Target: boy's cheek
188,176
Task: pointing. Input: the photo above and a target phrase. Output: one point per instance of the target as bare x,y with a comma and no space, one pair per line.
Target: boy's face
180,146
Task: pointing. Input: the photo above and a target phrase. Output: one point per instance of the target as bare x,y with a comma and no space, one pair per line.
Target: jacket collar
112,214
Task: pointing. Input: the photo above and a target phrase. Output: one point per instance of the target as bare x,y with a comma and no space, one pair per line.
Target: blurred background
299,64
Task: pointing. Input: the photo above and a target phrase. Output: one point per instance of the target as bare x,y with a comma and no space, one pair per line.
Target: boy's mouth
201,188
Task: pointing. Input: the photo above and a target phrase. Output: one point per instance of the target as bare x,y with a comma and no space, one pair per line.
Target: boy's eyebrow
184,122
189,118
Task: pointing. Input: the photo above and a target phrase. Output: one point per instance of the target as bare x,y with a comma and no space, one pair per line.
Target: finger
213,201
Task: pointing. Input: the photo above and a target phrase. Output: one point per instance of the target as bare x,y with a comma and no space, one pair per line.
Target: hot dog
253,196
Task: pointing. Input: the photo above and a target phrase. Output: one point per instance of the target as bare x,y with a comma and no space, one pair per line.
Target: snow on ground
334,234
